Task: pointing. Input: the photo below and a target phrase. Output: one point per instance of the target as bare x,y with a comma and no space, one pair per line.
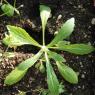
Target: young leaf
11,41
67,73
80,49
64,32
8,9
44,14
21,69
18,36
56,57
42,68
52,80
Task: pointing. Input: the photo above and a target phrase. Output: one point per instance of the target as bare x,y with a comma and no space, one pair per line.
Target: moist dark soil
84,13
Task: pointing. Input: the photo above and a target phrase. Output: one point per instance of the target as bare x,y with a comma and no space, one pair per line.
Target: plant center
44,48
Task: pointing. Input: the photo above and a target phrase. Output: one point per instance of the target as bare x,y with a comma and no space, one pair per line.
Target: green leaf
15,76
65,31
44,14
56,57
67,73
18,36
42,68
80,49
60,43
29,62
8,9
18,73
52,80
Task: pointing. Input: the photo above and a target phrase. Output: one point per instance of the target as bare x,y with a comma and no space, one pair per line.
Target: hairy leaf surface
44,14
18,36
18,73
52,80
67,73
65,31
56,56
80,49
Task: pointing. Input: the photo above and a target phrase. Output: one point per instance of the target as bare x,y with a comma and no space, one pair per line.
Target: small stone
81,64
79,86
79,6
83,76
84,72
83,87
93,21
77,57
59,17
22,5
89,43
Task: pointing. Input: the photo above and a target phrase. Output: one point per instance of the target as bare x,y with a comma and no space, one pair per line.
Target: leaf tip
72,20
8,26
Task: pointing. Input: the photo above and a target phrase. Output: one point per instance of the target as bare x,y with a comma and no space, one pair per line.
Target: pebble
83,76
89,43
79,86
81,64
93,21
59,17
83,87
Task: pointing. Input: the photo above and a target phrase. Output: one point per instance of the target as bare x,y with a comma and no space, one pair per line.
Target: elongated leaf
18,36
56,57
8,9
61,43
65,31
52,80
18,73
44,14
15,76
67,73
29,62
80,49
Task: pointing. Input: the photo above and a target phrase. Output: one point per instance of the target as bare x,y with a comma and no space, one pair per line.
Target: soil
34,81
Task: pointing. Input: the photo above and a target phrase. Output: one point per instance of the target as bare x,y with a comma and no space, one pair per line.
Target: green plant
8,9
18,36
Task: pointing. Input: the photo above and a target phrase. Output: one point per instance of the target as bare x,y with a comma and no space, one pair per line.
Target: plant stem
14,3
43,35
53,47
46,56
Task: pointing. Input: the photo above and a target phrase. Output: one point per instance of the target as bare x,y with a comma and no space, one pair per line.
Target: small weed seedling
18,36
8,9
